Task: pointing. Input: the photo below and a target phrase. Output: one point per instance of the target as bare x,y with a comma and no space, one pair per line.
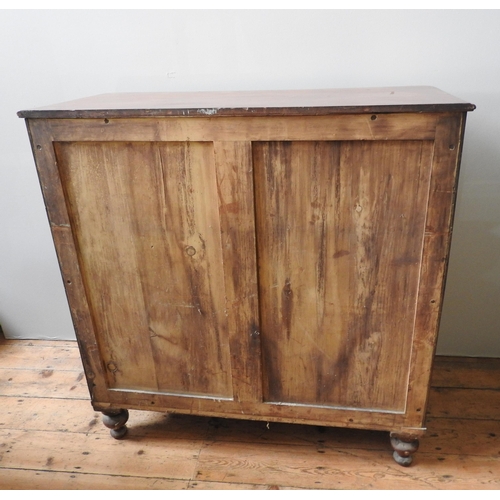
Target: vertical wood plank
147,226
384,194
233,163
99,211
340,238
178,243
445,164
54,198
294,187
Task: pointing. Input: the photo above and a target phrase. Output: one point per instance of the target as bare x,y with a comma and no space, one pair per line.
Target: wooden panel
438,228
55,203
403,126
340,230
269,412
233,162
253,103
146,222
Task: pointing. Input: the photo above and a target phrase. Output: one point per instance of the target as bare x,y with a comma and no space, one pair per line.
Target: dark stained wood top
256,103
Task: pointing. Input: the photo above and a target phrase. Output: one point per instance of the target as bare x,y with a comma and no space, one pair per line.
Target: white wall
51,56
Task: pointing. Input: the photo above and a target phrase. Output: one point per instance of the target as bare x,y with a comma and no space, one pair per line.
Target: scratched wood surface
148,232
50,440
218,265
340,232
252,103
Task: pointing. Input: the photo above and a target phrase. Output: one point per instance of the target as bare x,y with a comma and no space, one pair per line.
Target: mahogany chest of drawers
261,255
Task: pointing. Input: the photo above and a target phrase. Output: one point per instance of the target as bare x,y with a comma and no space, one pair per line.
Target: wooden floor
50,438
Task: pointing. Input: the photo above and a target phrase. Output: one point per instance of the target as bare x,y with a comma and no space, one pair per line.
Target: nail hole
452,147
106,120
112,367
373,117
38,147
68,282
433,301
419,409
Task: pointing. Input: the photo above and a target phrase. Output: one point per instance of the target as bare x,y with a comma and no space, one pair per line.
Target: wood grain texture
438,230
251,103
480,373
149,239
401,126
343,469
340,230
67,452
269,262
483,403
50,441
233,164
21,383
55,203
45,357
21,479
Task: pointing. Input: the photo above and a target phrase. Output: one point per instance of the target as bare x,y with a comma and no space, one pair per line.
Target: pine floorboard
51,438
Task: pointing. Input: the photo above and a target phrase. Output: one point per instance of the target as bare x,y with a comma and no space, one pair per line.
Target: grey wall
51,56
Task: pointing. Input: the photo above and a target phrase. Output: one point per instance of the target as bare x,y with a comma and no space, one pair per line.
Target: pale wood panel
397,126
296,187
340,239
97,194
149,241
233,163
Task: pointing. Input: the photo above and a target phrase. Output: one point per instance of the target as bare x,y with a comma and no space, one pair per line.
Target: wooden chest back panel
286,268
146,223
340,235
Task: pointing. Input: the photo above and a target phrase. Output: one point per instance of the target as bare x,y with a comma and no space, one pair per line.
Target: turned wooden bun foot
115,420
404,448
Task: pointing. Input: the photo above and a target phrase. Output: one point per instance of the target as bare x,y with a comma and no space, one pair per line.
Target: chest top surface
256,103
